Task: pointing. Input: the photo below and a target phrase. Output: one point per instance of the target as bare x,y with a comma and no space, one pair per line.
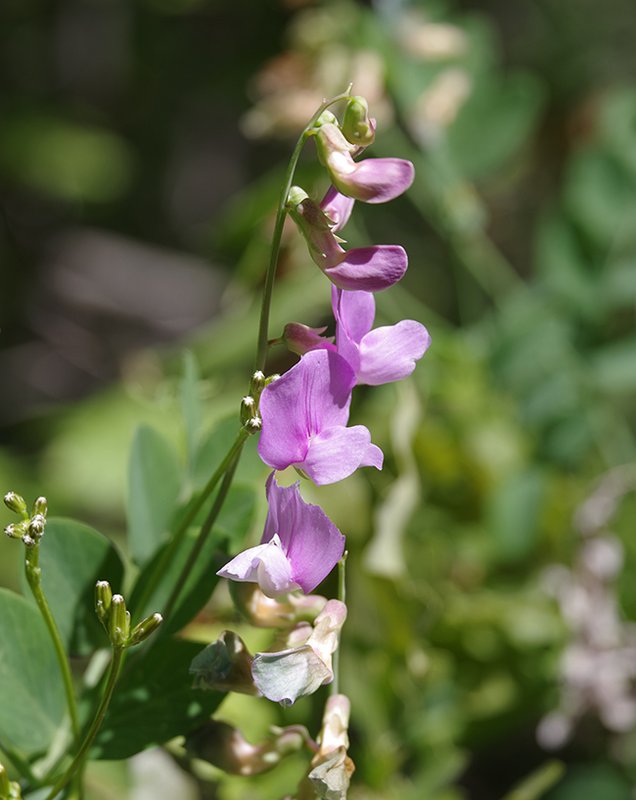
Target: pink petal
337,207
354,312
389,353
314,394
337,452
369,269
374,180
265,564
312,543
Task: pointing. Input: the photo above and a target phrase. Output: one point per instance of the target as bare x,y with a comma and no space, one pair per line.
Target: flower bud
36,526
357,126
103,598
257,384
254,424
248,408
15,502
41,506
118,622
145,628
16,530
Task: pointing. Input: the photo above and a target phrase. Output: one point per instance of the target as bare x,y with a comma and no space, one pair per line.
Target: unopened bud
272,378
16,530
28,540
326,118
248,408
103,598
41,506
357,126
145,628
118,622
254,424
37,525
15,502
257,383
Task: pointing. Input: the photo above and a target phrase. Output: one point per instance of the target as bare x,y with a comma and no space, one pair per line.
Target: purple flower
376,356
305,413
368,269
299,547
337,207
374,180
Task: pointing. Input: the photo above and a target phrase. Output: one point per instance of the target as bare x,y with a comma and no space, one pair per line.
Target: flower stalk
76,764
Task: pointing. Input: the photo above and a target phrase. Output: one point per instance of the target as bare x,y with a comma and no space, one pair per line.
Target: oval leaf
32,701
154,480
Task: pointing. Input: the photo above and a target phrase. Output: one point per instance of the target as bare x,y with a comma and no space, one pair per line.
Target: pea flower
306,663
337,207
376,356
305,413
362,268
373,180
299,547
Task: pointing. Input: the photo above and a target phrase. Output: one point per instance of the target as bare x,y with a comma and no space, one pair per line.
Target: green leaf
32,700
73,557
500,115
154,701
154,480
232,525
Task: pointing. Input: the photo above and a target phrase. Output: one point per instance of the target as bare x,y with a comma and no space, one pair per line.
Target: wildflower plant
301,419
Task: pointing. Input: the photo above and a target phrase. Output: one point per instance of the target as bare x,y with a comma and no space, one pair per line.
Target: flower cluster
303,415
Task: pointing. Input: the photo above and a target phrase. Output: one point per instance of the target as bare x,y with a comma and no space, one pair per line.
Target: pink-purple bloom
368,269
305,414
337,207
299,547
373,180
376,356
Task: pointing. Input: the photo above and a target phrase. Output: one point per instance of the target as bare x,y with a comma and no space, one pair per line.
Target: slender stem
34,579
342,596
115,664
202,537
261,350
168,554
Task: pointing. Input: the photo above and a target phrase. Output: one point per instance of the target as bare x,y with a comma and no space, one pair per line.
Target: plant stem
34,579
342,596
171,549
115,664
203,536
261,350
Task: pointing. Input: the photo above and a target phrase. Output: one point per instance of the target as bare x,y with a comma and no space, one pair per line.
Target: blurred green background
142,147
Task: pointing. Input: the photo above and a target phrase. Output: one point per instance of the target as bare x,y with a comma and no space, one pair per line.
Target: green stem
169,552
261,350
203,536
115,664
34,579
342,596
